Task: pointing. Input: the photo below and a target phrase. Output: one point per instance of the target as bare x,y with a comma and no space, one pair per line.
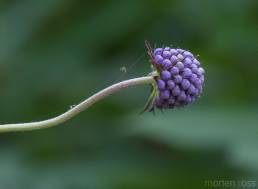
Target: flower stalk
78,108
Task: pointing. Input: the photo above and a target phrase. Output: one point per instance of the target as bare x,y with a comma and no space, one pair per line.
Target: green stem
78,108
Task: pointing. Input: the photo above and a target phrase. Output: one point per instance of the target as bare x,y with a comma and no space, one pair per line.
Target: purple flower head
180,77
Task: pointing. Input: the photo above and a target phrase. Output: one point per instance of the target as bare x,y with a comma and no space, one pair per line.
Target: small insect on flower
179,80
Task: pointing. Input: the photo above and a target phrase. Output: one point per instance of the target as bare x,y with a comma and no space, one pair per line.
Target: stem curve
78,108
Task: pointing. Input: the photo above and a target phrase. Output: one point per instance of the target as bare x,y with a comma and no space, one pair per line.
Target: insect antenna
148,46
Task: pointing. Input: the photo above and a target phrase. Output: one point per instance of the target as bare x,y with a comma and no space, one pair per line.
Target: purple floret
165,75
180,80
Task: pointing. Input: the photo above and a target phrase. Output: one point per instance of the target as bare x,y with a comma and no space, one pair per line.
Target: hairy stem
76,109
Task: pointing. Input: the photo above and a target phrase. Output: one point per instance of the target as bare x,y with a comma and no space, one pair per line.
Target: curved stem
78,108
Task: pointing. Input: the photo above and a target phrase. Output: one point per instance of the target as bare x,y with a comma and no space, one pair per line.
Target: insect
123,69
155,66
154,92
150,52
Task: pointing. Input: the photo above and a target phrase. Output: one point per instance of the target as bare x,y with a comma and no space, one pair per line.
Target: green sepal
149,106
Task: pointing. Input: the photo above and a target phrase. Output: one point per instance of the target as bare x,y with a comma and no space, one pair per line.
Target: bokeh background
55,53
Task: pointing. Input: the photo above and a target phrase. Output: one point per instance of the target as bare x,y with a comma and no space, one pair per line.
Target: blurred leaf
234,131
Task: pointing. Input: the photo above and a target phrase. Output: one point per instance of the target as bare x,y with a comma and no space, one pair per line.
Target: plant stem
76,109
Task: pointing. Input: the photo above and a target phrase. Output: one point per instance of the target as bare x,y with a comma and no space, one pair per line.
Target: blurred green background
55,53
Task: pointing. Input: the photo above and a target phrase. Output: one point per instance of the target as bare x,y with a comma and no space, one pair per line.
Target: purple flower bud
197,82
166,64
180,65
195,61
187,70
196,71
191,90
176,91
170,84
174,59
202,78
180,50
180,57
201,70
158,59
165,75
182,96
185,84
158,51
193,78
164,94
187,74
187,62
180,80
193,66
161,84
167,54
174,70
187,54
173,51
